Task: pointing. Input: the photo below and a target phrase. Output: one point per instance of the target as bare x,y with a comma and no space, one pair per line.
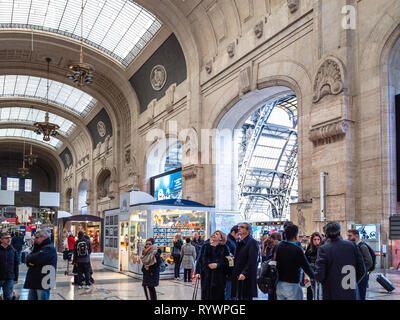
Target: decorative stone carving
231,49
67,159
293,5
170,95
208,67
191,171
101,129
151,106
328,81
127,156
245,80
259,29
158,77
330,132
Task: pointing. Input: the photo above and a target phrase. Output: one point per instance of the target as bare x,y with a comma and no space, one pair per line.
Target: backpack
269,276
82,249
372,253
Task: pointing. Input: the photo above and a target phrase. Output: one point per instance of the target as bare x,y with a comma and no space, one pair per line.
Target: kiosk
160,220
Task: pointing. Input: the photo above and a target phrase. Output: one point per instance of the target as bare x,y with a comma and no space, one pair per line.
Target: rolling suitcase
317,294
196,289
385,283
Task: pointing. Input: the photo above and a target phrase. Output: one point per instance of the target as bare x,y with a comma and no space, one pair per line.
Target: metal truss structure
268,160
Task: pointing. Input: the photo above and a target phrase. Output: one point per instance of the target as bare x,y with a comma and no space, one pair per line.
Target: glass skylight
27,134
61,94
120,28
28,115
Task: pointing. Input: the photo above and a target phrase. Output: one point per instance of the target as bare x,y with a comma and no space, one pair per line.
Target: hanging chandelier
81,73
23,172
30,158
46,128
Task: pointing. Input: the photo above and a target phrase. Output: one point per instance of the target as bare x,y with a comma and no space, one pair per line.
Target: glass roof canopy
29,115
120,28
28,134
269,180
61,94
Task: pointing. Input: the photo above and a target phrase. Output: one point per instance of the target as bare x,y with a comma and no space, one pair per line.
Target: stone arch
103,183
156,153
82,194
389,66
226,157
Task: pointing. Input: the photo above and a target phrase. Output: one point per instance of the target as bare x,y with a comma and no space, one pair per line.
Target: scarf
149,255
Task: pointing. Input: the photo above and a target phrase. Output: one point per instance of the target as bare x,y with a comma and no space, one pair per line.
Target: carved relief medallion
67,159
328,80
101,129
158,77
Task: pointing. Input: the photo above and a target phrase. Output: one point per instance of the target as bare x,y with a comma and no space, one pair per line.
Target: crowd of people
228,266
41,263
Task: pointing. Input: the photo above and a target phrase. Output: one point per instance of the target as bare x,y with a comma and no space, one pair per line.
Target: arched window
82,195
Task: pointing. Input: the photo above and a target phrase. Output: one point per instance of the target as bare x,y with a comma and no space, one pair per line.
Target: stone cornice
330,132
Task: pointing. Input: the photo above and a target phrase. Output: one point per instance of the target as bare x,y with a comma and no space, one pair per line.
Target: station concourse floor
110,285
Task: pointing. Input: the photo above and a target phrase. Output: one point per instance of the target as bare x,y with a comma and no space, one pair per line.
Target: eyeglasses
6,238
242,227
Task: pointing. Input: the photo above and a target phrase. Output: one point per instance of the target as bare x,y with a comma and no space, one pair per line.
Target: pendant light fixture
81,73
30,158
23,172
46,128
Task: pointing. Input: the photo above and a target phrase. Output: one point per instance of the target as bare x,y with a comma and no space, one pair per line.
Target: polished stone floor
111,285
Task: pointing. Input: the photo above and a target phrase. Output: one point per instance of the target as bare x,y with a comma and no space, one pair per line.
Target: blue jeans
228,289
38,294
8,286
19,256
289,291
362,287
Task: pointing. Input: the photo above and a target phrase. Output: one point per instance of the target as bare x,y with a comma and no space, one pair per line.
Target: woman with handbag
176,254
151,259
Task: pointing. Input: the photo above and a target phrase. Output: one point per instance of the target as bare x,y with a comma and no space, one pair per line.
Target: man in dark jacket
354,235
231,243
339,266
18,242
82,251
42,267
290,260
8,266
244,274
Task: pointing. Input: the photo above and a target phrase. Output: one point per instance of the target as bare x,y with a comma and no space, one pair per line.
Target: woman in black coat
176,254
151,259
212,267
311,255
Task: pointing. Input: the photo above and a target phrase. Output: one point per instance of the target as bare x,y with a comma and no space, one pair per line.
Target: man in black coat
244,274
339,266
42,267
290,260
8,266
231,243
18,242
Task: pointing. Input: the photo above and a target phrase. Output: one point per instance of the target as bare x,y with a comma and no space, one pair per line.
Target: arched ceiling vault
24,52
52,108
45,153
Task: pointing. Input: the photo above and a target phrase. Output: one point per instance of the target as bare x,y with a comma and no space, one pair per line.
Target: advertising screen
168,186
367,231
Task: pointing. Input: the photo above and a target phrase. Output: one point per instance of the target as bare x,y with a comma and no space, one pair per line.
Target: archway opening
256,156
82,194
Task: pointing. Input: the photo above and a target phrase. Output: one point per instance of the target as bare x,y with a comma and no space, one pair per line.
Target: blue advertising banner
168,187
